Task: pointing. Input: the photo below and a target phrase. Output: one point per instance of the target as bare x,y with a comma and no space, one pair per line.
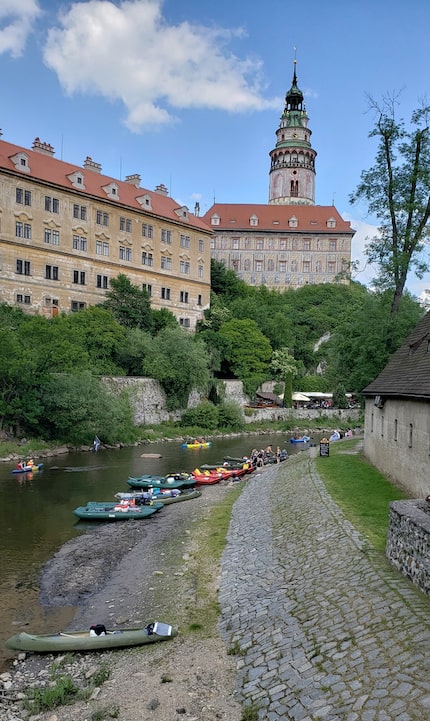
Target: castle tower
292,169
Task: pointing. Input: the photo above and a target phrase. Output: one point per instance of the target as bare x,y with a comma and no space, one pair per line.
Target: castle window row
277,244
282,266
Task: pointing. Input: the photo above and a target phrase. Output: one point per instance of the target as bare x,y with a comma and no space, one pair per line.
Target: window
331,266
79,277
77,305
294,188
51,272
235,244
23,230
166,262
166,236
259,244
183,296
147,287
52,237
23,299
79,211
184,267
282,266
185,241
306,266
201,246
332,245
165,293
199,299
382,426
125,224
147,259
23,267
102,218
102,248
102,281
201,271
258,266
306,245
410,435
79,243
283,244
52,205
23,196
184,322
124,253
147,230
395,429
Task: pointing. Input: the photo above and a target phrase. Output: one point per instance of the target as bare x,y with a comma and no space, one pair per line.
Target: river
36,514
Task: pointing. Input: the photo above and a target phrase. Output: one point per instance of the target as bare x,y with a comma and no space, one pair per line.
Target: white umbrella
301,397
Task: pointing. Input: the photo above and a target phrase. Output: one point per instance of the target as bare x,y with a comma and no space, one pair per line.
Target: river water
36,514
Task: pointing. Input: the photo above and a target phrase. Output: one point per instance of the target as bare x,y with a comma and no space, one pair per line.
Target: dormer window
77,179
111,191
331,223
182,212
293,222
145,201
215,219
20,161
253,220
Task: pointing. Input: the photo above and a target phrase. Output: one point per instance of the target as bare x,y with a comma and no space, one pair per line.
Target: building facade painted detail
66,231
292,169
290,242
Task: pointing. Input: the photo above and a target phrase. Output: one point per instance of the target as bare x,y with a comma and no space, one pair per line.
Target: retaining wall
408,541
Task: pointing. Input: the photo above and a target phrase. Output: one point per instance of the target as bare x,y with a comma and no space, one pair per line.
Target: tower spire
292,170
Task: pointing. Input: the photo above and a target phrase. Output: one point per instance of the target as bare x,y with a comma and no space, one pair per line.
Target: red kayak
216,475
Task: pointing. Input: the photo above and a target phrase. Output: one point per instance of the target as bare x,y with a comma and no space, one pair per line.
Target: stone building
66,231
397,414
290,241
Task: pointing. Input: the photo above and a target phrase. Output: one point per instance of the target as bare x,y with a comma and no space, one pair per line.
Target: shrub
230,416
204,416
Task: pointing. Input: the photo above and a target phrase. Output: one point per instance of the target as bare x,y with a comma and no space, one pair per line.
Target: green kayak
180,482
89,640
119,511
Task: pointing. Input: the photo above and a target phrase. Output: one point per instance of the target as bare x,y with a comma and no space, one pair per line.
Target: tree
284,364
397,191
247,352
130,306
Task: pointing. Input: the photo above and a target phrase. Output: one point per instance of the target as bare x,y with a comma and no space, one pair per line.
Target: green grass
359,489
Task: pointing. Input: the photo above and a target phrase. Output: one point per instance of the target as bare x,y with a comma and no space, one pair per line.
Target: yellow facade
60,246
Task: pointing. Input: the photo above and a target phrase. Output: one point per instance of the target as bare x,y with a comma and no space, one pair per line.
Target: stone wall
408,541
147,398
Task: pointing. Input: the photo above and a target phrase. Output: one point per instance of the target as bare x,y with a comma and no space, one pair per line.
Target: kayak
88,641
181,482
28,469
203,444
173,495
302,439
117,511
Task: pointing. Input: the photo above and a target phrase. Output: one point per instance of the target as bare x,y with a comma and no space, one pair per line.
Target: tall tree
130,305
397,191
285,365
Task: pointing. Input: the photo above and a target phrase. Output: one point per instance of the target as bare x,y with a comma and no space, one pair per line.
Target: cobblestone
327,629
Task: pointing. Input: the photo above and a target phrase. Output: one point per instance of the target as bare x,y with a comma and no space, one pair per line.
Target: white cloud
16,24
363,233
127,52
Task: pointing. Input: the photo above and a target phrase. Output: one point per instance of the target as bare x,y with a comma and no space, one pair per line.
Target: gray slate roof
407,373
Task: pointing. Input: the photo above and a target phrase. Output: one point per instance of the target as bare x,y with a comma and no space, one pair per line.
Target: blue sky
189,93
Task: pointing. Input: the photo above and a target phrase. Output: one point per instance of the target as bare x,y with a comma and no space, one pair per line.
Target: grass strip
359,489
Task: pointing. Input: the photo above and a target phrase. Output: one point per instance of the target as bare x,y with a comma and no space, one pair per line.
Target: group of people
25,464
259,458
337,435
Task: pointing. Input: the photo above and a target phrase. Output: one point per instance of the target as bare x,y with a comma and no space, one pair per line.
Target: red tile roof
310,218
55,172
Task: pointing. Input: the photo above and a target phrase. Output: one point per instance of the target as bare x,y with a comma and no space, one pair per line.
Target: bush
230,416
204,416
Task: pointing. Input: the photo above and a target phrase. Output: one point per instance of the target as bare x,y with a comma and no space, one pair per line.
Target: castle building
290,241
66,231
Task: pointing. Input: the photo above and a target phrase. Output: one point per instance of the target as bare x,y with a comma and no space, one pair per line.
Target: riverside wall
150,407
408,541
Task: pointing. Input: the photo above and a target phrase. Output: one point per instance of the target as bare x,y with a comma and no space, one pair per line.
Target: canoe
112,511
173,495
180,482
83,641
302,439
205,444
28,469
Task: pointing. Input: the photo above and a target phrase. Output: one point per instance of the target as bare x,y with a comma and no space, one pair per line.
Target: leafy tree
130,305
224,281
137,346
247,352
178,360
284,364
230,416
96,331
397,191
204,416
339,396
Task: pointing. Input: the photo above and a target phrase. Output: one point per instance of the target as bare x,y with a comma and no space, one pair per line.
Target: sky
189,93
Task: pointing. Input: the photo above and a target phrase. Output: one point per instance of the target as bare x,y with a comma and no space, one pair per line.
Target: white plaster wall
403,455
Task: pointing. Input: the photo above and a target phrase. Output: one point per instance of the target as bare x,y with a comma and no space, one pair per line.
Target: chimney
161,189
133,179
197,210
89,164
44,148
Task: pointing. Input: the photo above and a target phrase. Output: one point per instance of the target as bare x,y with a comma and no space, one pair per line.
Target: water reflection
36,513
